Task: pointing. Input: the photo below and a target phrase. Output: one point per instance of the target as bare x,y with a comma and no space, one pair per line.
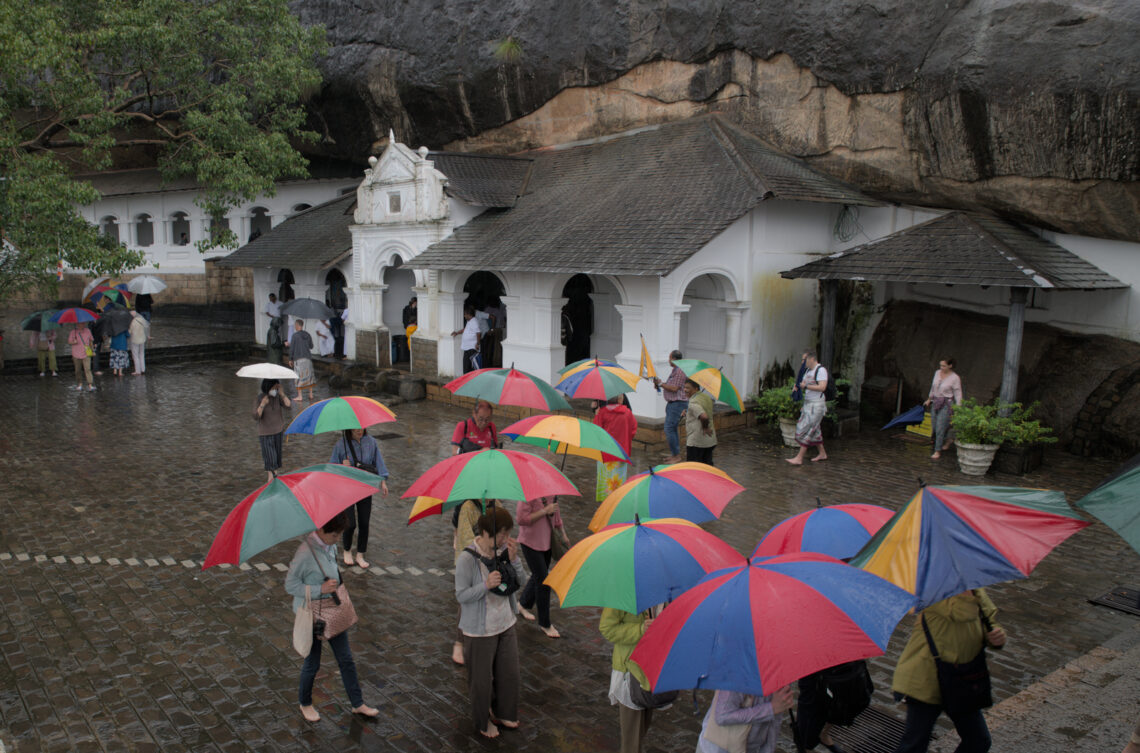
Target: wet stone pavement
113,639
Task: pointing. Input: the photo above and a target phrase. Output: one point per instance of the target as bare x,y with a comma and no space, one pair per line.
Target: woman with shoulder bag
959,629
316,557
356,448
739,723
539,522
487,576
624,630
269,412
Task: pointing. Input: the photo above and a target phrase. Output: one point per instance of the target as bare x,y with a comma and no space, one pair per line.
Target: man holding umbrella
673,390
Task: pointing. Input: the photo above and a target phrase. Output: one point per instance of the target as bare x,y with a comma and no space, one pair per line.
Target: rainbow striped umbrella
585,363
632,566
566,435
950,539
598,381
73,316
490,474
508,387
292,504
756,628
839,531
694,491
712,379
339,414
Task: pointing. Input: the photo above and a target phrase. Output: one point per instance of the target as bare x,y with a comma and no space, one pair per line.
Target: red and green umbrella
839,531
598,381
950,539
566,435
490,474
508,387
585,363
757,628
712,379
290,505
1116,502
633,566
339,414
694,491
73,316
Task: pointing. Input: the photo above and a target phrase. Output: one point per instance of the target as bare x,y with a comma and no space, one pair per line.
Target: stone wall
425,357
228,284
218,286
369,344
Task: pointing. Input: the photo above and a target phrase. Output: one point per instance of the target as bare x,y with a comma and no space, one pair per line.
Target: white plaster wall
164,255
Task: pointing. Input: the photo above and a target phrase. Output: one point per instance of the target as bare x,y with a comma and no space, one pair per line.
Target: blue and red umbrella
839,531
756,628
73,316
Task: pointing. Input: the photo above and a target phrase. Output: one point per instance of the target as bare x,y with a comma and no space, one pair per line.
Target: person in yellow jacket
624,630
958,632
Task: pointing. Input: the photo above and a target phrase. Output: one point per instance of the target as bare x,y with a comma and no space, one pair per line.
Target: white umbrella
146,284
92,285
266,371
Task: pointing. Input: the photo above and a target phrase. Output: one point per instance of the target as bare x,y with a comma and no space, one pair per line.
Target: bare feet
551,632
492,731
310,714
457,653
526,613
366,710
794,461
936,455
500,722
361,562
819,457
348,558
672,459
946,447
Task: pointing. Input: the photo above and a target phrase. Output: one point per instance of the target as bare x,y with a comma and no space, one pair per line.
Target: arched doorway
259,222
397,295
484,293
285,283
337,300
577,317
704,328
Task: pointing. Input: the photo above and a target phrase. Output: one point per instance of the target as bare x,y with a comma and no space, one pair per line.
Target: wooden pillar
827,332
1017,299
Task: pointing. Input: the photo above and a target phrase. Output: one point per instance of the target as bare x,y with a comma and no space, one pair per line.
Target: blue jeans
343,655
673,413
920,719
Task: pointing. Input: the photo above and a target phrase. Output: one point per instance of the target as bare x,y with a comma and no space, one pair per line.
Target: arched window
259,222
109,227
180,229
285,287
144,230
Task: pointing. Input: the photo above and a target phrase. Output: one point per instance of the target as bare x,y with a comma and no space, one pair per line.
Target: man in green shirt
700,434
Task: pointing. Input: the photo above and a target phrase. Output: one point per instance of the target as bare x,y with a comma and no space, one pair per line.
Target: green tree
211,89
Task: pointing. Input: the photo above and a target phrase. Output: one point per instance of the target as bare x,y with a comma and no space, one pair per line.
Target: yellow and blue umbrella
950,539
567,435
694,491
712,379
339,414
598,381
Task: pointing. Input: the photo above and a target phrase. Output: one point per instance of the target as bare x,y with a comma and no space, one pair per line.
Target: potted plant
979,430
776,407
1024,445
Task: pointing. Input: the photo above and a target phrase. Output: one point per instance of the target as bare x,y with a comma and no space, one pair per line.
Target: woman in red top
619,423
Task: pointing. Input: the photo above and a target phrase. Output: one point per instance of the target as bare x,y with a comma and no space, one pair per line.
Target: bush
775,403
982,423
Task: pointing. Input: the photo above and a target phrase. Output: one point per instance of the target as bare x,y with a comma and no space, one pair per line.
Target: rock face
1028,108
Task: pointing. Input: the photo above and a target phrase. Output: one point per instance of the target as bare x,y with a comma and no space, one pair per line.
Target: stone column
449,354
827,333
1017,299
645,401
534,344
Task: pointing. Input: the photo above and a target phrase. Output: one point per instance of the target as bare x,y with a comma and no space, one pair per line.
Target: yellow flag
645,368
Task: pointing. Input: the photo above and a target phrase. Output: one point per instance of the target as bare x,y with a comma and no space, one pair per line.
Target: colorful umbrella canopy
39,321
425,507
103,296
290,505
566,435
598,382
633,566
585,363
838,531
694,491
950,539
1116,502
146,285
508,387
712,379
266,371
913,416
73,316
757,628
491,474
100,280
340,413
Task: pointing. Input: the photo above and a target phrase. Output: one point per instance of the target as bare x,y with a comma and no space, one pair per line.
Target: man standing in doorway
673,390
700,434
813,385
273,311
470,340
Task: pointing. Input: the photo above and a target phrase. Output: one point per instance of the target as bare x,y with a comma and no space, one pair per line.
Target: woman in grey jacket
314,558
487,620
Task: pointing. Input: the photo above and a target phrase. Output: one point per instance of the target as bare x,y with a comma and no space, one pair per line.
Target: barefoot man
813,386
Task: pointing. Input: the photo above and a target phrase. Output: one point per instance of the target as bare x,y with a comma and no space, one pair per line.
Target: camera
319,627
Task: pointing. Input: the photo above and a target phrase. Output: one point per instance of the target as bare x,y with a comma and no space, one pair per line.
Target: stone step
154,356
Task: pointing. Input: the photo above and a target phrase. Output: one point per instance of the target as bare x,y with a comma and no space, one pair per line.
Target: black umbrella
306,308
120,320
38,321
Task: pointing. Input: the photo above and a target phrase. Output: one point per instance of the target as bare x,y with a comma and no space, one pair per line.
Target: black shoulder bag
965,687
356,463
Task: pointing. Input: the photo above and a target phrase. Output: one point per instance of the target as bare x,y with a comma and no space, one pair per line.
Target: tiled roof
483,180
962,249
638,203
312,239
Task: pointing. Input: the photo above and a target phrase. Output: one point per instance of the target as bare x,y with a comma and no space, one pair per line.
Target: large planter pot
788,430
975,459
1018,460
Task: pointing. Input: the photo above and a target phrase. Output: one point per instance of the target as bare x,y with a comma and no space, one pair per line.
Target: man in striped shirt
676,401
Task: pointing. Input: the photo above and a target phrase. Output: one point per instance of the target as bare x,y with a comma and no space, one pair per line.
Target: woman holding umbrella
82,347
120,358
316,556
269,413
356,448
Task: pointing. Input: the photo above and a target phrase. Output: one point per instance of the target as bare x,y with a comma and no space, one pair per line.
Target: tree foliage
211,89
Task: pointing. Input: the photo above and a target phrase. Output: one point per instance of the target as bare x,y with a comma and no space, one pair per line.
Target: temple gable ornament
401,187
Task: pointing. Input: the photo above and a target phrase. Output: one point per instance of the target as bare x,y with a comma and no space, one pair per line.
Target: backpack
830,392
273,337
846,691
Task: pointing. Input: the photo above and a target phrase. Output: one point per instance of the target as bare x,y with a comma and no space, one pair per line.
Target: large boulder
1025,107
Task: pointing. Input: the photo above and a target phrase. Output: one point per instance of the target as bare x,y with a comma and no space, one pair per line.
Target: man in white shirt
470,340
813,386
